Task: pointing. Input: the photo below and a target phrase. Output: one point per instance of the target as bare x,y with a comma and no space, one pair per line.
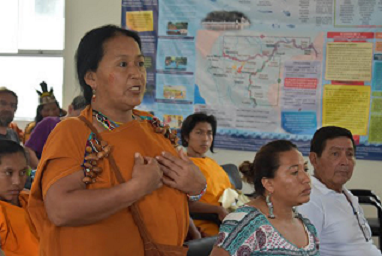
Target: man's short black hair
6,90
318,143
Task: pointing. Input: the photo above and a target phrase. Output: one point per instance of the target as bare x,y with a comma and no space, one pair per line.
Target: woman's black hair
265,164
90,52
191,121
39,116
8,147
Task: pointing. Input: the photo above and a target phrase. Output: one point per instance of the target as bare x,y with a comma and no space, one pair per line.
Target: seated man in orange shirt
198,131
17,235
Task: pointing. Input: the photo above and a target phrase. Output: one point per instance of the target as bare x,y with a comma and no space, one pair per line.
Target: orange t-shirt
164,212
217,182
17,234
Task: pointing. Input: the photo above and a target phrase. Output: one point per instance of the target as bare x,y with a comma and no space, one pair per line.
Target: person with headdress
17,234
48,106
40,134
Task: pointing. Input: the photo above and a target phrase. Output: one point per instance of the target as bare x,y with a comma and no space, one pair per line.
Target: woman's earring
295,212
94,95
270,206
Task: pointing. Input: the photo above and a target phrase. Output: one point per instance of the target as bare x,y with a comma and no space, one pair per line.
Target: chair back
234,175
368,197
201,247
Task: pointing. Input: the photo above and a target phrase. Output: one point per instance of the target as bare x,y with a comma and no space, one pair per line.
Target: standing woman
269,224
198,132
48,106
110,181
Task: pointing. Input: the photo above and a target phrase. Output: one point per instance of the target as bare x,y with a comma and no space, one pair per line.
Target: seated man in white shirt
334,211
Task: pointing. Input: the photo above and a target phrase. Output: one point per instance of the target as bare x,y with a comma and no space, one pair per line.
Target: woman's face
13,175
200,140
291,183
50,109
120,80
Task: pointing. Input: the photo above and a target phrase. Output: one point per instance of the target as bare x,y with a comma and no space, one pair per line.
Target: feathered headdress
45,96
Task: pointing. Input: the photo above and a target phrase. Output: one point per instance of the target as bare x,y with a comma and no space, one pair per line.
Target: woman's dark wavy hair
90,52
191,121
265,164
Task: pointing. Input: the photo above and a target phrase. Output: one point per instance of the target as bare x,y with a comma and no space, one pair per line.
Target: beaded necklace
101,148
105,121
158,126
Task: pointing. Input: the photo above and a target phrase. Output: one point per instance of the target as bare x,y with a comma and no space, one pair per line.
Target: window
31,50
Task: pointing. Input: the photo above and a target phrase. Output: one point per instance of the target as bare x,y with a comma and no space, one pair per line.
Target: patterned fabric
247,232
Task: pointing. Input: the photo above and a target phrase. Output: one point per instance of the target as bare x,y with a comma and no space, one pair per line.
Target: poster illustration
266,69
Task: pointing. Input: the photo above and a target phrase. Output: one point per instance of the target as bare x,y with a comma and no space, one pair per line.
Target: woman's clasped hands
176,172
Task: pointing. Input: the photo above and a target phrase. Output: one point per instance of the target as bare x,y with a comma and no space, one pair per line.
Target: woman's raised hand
147,173
181,173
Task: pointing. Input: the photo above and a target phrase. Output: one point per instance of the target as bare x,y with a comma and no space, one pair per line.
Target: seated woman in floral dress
269,224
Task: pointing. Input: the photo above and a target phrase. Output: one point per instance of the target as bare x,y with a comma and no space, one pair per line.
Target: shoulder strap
113,164
134,207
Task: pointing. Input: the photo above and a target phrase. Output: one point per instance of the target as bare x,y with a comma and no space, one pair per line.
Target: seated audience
197,132
40,133
8,106
48,106
269,224
334,211
17,235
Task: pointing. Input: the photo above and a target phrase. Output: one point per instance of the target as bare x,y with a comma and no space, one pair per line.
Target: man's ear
268,185
90,79
313,159
70,109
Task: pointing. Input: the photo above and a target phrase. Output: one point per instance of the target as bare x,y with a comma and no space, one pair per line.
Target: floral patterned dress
247,232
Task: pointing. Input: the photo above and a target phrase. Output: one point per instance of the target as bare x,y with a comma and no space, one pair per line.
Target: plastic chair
201,247
236,181
235,178
368,197
234,175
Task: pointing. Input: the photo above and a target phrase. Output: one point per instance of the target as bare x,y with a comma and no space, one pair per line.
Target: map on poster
265,69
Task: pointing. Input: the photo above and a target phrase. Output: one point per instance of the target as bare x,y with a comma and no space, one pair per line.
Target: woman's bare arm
69,203
201,207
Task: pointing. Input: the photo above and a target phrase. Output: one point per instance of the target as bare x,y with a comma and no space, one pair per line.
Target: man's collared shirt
337,225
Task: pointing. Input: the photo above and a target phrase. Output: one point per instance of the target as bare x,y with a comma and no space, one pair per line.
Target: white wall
80,17
83,15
